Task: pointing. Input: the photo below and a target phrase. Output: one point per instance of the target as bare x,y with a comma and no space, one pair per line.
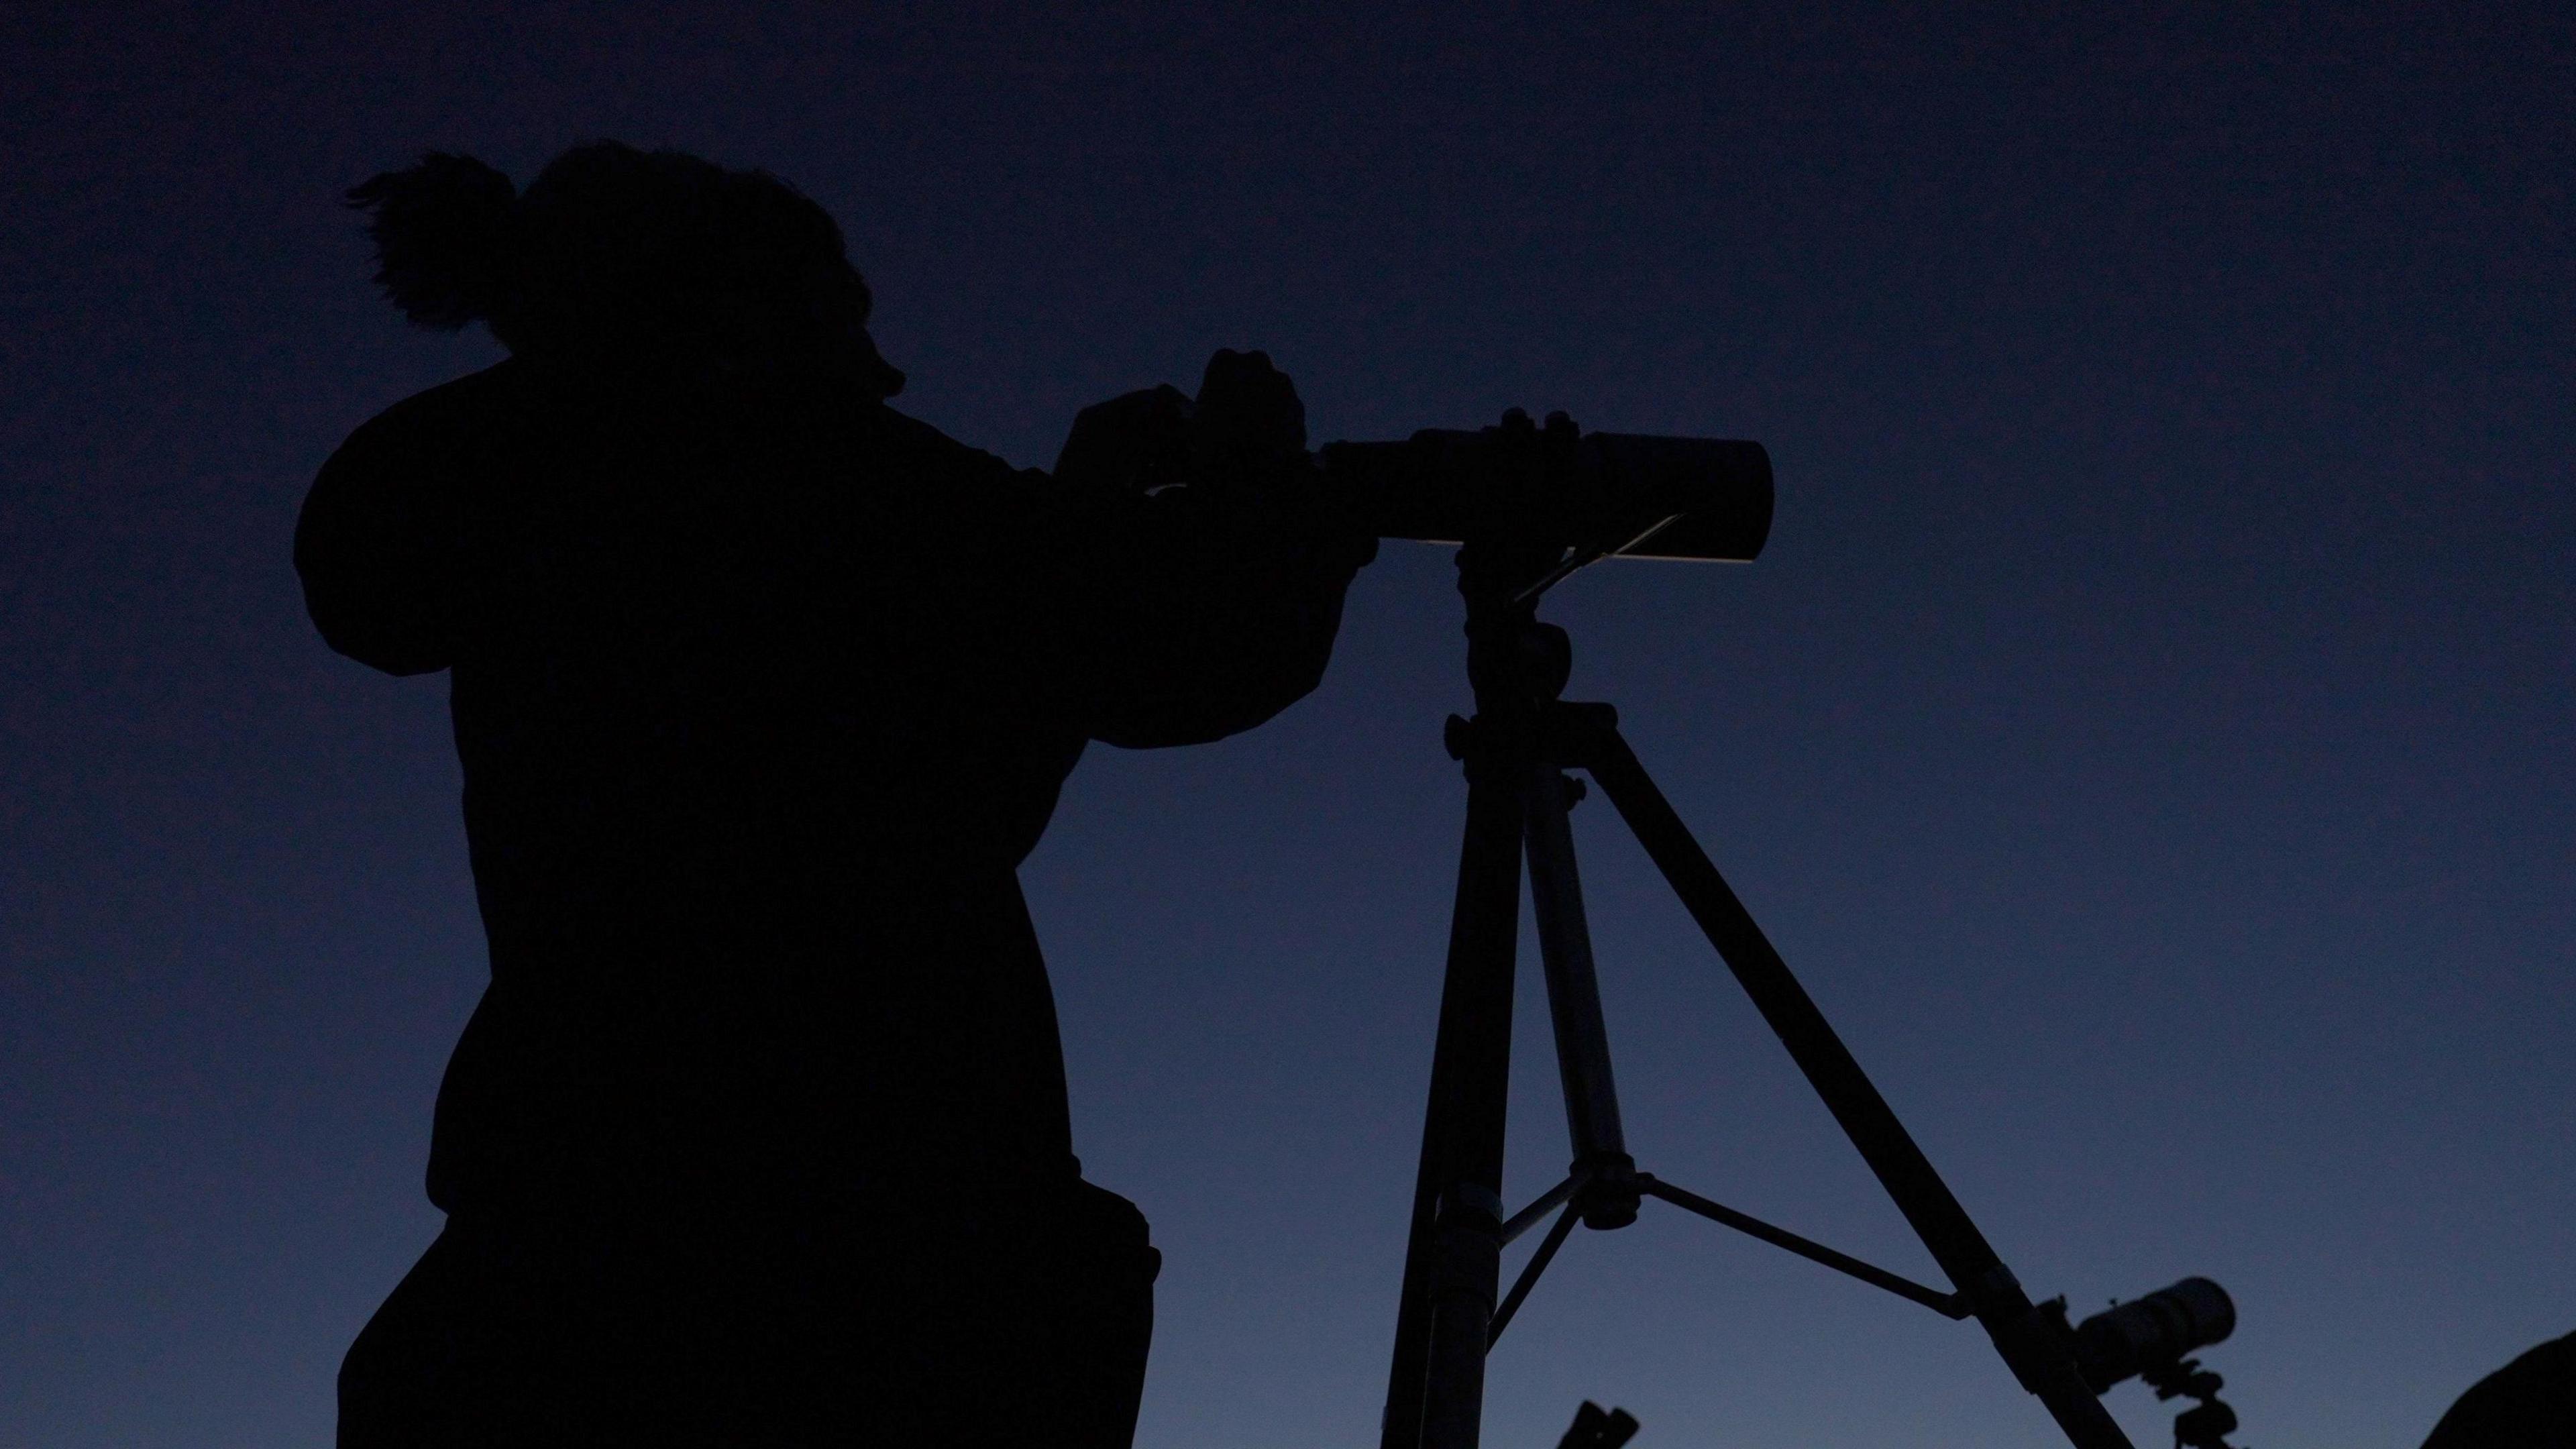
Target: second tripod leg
1574,1002
2038,1358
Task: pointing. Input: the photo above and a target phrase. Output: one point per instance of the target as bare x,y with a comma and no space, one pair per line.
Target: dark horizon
2144,733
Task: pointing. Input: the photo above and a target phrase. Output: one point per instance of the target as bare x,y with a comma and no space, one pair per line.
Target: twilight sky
2147,733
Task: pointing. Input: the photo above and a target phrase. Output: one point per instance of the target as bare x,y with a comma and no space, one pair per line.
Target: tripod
1516,751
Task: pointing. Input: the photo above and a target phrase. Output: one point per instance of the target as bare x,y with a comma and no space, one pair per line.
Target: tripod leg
1453,1256
1574,1003
2037,1356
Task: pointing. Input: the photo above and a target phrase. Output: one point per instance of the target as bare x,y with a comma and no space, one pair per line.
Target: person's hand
1246,425
1250,422
1133,443
1250,434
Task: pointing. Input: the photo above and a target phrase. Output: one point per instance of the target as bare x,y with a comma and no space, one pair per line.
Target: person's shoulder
460,410
2530,1401
504,383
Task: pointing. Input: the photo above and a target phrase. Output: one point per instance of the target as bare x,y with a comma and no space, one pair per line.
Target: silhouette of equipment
1594,1429
1598,494
2148,1339
1650,498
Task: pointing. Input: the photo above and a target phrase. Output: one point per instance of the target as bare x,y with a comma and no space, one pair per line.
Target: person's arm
1216,612
1178,579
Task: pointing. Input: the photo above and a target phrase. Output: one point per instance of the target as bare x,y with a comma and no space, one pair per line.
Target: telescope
1529,504
1522,487
1604,495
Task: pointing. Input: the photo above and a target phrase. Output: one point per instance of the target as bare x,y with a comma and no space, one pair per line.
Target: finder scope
1623,495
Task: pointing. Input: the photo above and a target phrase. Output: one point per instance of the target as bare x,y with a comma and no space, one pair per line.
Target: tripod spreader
1571,1196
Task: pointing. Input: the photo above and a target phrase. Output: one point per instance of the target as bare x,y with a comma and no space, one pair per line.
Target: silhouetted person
762,691
2530,1403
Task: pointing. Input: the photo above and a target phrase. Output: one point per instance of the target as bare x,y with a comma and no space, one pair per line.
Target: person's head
618,260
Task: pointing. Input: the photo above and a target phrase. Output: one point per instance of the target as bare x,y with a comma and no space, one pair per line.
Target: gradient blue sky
2148,732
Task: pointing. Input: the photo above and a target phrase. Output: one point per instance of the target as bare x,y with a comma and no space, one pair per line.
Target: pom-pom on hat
444,234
